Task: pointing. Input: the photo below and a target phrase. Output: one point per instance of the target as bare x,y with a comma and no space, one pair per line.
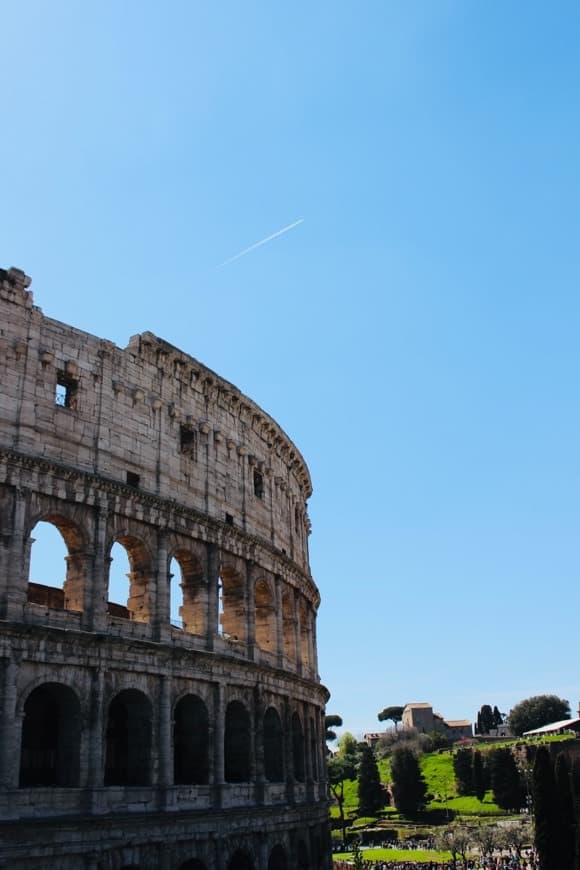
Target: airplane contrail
262,242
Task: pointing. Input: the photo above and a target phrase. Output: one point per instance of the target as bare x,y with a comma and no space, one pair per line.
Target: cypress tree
409,787
545,821
566,830
478,777
371,797
463,769
506,781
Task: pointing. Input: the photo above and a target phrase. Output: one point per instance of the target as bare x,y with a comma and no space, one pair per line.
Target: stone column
165,770
218,745
258,746
97,728
308,747
212,581
97,588
10,727
288,753
161,618
279,620
250,611
17,560
297,633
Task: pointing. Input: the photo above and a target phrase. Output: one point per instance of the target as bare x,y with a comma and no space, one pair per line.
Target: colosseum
130,739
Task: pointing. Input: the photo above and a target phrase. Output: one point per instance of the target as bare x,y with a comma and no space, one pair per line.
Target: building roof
421,705
574,724
457,723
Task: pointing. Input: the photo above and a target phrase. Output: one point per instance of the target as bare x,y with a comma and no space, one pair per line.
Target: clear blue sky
417,335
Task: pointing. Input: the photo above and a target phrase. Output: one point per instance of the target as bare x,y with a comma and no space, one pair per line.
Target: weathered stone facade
125,741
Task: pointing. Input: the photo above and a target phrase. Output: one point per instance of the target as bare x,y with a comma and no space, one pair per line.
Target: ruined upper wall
148,415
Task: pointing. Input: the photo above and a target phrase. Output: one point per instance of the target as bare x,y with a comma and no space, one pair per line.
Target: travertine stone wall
161,742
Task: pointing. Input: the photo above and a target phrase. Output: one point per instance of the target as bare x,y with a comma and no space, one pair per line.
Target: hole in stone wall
133,479
188,441
175,594
258,484
237,743
50,747
229,520
128,739
191,742
66,392
56,572
119,582
277,860
273,747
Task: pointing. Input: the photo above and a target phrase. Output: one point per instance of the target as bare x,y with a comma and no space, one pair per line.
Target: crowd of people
502,862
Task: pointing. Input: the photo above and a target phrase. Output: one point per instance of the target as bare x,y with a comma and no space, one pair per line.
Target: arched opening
304,634
273,747
240,860
193,864
233,605
50,583
265,615
297,748
288,625
237,743
187,604
128,739
51,737
130,580
190,742
277,860
302,854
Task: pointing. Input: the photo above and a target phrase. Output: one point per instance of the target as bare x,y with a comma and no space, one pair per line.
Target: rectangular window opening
229,520
66,392
187,441
258,485
133,479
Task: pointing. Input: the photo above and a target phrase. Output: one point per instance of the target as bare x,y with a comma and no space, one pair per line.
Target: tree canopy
395,714
332,720
537,711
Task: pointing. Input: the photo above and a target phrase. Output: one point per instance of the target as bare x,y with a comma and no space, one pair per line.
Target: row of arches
254,747
233,599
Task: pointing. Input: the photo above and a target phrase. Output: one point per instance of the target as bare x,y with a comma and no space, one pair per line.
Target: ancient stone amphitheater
126,740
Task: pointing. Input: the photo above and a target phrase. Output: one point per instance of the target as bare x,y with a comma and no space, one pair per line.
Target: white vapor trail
262,242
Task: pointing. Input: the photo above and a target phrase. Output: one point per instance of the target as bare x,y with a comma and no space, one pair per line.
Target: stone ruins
127,741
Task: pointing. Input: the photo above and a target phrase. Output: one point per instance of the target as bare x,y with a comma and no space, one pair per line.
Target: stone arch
192,610
241,860
190,742
237,743
264,602
273,746
68,595
277,859
128,739
51,737
139,605
297,748
288,625
233,603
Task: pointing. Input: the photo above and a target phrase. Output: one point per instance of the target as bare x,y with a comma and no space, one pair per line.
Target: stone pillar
308,760
165,770
288,753
313,646
10,727
161,605
17,560
279,620
97,591
258,746
218,745
97,728
250,611
297,633
212,581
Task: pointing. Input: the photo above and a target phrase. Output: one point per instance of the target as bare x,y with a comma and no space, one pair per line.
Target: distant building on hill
421,717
